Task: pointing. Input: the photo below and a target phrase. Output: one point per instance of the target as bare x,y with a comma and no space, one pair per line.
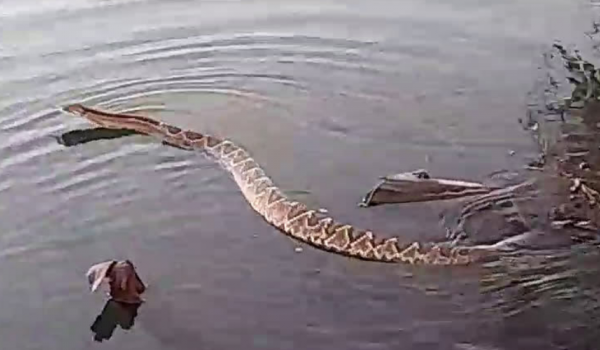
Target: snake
290,217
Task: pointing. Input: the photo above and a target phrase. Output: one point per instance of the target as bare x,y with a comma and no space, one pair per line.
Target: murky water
327,95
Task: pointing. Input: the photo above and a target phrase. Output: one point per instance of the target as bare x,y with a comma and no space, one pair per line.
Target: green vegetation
584,77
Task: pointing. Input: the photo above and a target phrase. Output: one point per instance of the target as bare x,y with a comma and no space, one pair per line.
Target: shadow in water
76,137
114,314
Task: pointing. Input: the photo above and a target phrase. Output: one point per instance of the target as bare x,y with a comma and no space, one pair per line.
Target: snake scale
290,217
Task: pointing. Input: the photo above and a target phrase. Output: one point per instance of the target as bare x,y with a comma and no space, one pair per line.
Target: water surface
327,95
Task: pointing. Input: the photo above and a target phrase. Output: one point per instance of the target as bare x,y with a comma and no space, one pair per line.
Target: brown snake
292,218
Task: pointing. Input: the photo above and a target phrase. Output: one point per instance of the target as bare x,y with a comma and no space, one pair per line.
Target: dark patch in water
77,137
114,314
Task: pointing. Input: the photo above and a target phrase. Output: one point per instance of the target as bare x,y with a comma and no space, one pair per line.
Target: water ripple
301,86
265,47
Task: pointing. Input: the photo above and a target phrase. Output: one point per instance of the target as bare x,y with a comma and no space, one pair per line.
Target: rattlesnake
292,218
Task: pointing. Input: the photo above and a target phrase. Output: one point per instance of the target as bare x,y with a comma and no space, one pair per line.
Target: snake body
290,217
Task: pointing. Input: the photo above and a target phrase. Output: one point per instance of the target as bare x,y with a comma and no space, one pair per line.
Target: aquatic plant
584,77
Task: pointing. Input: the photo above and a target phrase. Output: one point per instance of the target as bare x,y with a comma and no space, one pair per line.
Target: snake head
109,120
76,108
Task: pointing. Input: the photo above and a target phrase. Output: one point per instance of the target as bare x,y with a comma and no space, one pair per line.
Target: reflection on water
114,314
327,95
77,137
